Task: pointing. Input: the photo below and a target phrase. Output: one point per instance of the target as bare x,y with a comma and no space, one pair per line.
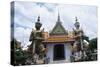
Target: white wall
67,51
50,52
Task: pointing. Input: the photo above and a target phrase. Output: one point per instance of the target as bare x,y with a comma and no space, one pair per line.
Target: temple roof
58,28
58,34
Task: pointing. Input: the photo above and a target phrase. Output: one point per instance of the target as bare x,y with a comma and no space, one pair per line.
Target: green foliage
19,55
93,44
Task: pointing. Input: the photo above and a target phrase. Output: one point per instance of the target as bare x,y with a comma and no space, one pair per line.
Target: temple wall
67,51
50,52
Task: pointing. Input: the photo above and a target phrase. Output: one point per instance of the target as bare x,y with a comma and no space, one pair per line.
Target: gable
58,29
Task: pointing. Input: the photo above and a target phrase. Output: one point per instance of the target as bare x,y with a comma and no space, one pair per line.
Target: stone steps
60,61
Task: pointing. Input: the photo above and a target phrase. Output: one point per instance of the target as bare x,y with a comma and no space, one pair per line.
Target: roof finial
58,16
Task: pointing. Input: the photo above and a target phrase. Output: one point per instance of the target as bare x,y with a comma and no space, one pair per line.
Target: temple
59,43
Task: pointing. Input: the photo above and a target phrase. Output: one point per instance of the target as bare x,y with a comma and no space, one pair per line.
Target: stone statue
80,45
78,33
36,38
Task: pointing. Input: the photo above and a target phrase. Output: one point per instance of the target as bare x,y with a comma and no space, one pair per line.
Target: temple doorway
59,53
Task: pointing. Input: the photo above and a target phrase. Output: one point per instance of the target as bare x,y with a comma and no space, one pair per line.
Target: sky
26,13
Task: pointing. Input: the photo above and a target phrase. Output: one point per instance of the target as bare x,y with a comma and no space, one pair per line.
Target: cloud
22,35
26,14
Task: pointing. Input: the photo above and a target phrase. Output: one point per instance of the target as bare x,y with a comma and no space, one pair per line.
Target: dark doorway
59,53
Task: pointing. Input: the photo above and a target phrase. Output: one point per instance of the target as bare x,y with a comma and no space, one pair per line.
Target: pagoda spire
58,28
58,17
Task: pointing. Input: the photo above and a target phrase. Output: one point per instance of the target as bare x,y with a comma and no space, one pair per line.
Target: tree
93,48
93,44
17,54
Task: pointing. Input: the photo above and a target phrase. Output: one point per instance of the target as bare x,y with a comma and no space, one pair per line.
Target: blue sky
26,14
